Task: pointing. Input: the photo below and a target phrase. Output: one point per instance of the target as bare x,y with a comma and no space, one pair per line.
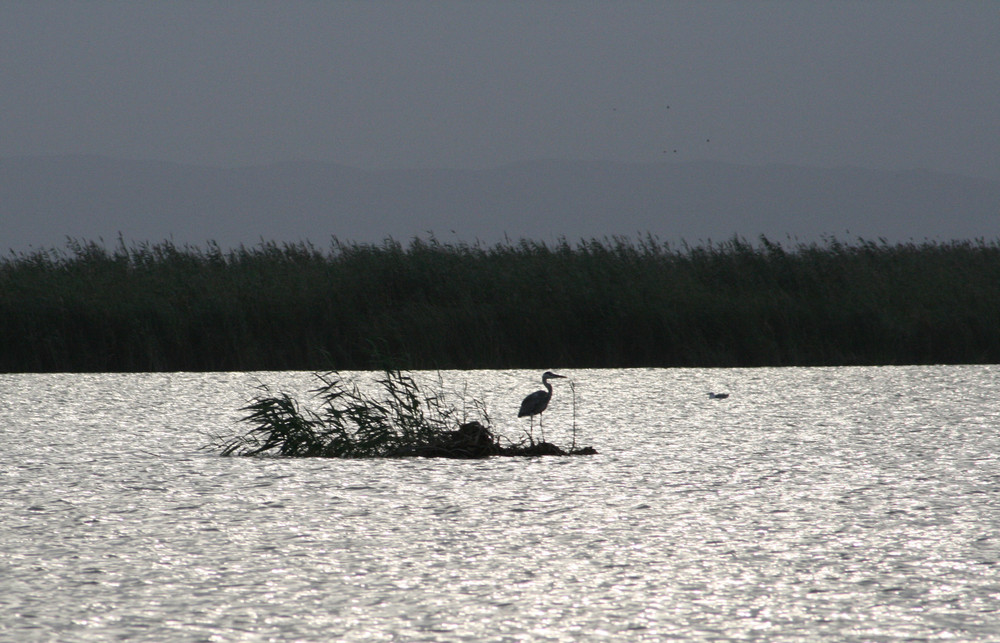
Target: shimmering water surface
815,503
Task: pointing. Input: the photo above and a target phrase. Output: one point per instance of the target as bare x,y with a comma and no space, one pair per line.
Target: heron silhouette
537,402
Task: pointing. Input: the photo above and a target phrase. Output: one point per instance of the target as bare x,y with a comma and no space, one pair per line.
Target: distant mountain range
44,200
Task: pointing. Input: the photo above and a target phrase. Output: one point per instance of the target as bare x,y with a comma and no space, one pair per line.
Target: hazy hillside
45,200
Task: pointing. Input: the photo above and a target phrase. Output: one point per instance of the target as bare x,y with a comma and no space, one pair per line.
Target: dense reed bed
599,303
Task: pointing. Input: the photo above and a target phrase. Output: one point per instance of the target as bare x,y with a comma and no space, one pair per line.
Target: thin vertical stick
572,388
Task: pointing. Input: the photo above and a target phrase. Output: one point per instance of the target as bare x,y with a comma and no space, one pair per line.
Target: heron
537,402
718,396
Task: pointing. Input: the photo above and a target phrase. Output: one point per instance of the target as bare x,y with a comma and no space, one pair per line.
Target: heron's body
535,403
538,401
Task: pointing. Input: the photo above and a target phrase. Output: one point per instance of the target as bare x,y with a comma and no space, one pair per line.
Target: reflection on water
840,503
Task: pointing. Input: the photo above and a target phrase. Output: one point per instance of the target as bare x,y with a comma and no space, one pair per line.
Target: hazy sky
896,85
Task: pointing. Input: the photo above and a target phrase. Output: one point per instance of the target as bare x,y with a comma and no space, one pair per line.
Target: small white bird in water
537,402
718,396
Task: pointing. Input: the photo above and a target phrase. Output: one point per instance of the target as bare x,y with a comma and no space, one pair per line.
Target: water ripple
849,504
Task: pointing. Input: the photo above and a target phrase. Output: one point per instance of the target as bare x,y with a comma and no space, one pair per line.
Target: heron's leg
540,427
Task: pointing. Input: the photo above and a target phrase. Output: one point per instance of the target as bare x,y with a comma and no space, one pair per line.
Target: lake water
848,504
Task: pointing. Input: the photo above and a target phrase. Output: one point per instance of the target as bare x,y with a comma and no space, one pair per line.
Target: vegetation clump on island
402,422
594,304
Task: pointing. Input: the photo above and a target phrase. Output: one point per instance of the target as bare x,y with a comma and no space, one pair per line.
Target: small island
349,423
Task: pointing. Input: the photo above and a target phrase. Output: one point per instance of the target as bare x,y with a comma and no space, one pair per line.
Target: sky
468,85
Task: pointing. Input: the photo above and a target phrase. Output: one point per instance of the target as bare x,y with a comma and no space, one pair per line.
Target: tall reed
598,303
350,423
